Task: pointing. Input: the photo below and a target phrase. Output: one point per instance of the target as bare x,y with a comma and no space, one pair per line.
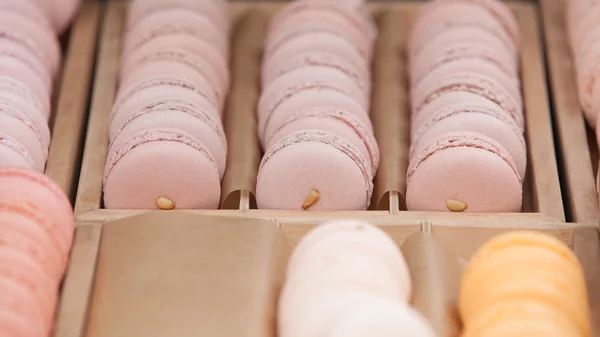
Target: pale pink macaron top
14,154
464,166
161,162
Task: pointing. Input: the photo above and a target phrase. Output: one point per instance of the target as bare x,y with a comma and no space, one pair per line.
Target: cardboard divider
436,275
71,99
183,274
244,153
390,113
167,273
578,158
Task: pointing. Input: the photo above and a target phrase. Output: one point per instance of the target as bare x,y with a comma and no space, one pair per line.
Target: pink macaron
307,162
60,12
461,168
161,163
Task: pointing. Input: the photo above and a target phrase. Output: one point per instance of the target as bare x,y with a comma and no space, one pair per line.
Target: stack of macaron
583,27
524,284
30,60
313,113
36,233
468,150
348,279
167,144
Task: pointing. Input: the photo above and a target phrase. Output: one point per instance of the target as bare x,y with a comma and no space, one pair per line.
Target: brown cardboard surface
390,112
435,274
178,274
244,153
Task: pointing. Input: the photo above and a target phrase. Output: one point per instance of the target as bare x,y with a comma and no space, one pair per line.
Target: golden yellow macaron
527,267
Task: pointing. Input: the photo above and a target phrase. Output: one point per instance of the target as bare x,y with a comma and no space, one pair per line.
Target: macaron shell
13,154
19,107
178,74
195,125
304,162
431,109
14,49
24,135
175,20
279,67
497,129
514,317
180,42
383,318
24,94
40,190
358,135
154,51
304,97
464,168
322,41
40,40
478,66
435,19
145,94
161,163
217,11
463,34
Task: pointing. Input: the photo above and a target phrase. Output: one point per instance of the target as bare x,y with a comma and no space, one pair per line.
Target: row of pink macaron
348,278
30,58
583,28
313,113
167,144
468,148
36,233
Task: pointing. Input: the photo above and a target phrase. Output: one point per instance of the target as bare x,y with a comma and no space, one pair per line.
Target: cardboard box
577,145
72,94
390,115
184,274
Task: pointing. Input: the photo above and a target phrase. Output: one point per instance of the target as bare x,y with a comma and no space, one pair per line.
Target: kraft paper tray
390,115
71,98
576,142
125,264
